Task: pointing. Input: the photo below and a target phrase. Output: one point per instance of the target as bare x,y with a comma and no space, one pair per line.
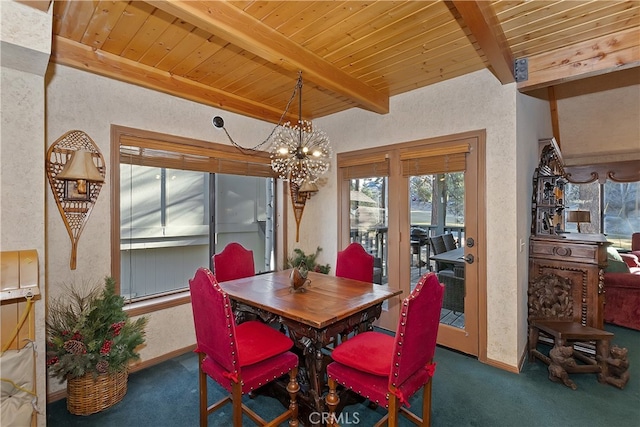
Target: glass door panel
368,221
437,236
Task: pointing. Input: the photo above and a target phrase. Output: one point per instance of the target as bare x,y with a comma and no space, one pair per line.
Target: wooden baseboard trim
503,366
138,366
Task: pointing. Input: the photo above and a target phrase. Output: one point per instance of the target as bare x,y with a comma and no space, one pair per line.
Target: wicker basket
87,395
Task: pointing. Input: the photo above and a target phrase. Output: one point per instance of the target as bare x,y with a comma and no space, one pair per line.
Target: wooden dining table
313,316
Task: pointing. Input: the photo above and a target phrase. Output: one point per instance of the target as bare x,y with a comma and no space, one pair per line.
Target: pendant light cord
219,122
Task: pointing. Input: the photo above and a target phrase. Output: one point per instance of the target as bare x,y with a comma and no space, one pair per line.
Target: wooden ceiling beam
241,29
601,55
77,55
42,5
483,23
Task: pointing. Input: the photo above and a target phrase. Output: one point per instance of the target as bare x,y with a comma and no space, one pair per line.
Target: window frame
222,159
598,210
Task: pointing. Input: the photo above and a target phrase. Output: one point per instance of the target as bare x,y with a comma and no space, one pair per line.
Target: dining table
313,316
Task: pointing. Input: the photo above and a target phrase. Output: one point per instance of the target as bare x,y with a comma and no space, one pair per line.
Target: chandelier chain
284,113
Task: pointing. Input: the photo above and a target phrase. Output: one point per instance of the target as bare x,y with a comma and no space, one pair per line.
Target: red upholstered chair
240,358
395,367
234,262
355,263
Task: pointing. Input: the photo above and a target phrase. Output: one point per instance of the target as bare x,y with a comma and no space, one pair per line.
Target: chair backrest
234,262
355,263
213,319
449,241
437,244
635,242
417,332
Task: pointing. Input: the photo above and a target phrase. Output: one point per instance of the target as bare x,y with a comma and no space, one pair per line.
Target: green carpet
465,393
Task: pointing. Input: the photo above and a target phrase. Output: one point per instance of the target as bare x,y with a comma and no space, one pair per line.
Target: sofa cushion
615,264
630,259
622,299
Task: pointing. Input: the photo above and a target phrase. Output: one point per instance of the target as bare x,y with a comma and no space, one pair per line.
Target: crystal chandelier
300,153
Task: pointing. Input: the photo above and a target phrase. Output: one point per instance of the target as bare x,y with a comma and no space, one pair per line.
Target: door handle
469,259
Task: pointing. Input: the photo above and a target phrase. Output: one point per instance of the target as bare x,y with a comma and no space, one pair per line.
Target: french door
418,192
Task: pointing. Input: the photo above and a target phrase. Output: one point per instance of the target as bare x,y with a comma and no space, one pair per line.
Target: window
180,201
614,209
164,228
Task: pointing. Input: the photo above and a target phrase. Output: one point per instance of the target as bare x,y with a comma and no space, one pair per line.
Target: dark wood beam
73,54
481,20
241,29
594,57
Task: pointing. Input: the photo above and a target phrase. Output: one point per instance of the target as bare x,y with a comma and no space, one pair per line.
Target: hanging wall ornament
299,196
76,171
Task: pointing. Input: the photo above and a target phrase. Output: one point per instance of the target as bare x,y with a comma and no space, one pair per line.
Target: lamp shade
578,216
308,187
81,166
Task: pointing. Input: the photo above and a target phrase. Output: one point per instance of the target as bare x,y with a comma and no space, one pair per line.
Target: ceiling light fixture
299,152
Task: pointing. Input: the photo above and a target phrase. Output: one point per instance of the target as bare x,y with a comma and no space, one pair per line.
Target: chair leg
426,405
202,383
293,388
394,408
236,401
332,401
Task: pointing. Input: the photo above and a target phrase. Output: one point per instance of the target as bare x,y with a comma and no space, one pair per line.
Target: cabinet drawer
560,250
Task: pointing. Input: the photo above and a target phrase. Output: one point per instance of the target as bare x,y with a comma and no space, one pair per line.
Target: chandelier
299,153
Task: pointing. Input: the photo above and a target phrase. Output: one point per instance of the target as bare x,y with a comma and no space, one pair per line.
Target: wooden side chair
355,263
241,358
395,367
234,262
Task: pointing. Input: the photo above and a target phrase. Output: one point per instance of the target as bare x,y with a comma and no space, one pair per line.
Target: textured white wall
25,45
79,100
534,123
25,37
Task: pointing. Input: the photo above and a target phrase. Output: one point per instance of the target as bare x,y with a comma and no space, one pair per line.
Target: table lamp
578,217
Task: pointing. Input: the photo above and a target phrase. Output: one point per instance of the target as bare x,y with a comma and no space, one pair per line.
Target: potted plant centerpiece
90,342
309,261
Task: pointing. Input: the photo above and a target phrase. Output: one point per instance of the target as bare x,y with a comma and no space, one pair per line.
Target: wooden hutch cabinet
580,258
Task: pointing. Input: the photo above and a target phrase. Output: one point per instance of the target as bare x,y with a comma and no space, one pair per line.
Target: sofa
622,290
635,244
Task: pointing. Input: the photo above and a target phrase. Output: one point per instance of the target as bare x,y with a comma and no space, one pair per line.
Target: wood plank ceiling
244,56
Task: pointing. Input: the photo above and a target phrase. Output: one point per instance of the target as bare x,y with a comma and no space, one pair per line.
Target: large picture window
614,209
179,202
